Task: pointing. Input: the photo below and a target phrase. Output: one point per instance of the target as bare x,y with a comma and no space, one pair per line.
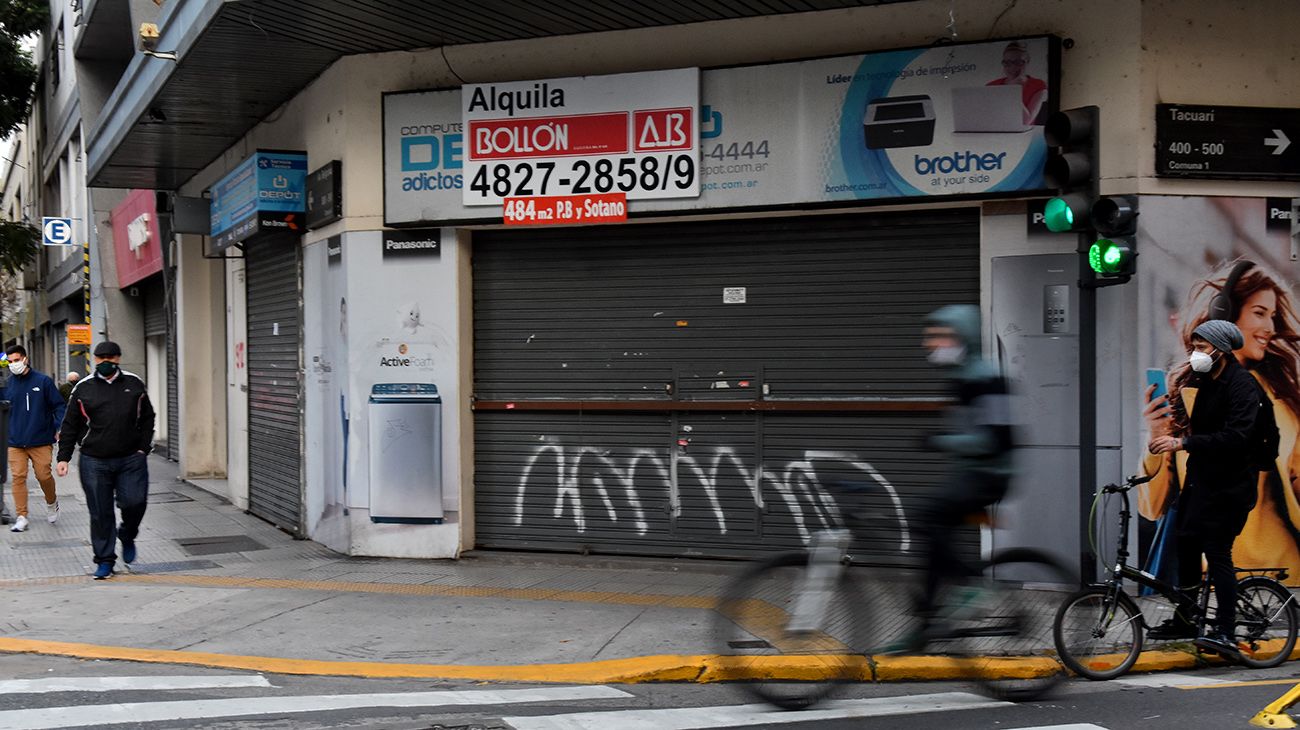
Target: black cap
108,349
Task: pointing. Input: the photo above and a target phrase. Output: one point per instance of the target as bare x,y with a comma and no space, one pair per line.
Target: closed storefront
699,388
159,373
274,381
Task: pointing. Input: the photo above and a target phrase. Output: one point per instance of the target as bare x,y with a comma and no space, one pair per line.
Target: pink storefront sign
137,245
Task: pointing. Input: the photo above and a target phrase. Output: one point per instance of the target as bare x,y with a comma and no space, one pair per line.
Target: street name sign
1233,142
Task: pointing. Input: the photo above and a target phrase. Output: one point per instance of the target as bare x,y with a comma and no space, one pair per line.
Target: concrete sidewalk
218,587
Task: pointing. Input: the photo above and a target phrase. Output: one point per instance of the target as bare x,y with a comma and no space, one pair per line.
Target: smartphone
1157,377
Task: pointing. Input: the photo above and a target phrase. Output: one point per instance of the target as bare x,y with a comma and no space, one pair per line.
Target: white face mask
946,356
18,367
1200,362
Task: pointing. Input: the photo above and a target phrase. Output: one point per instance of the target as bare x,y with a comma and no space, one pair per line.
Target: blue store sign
265,193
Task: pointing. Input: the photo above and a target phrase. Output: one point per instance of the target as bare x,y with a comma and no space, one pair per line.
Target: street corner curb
1165,660
942,667
723,668
915,668
657,668
634,670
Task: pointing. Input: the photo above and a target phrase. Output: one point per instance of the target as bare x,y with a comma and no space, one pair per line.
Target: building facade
693,380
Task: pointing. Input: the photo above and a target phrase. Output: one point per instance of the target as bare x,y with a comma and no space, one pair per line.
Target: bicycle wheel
1002,637
790,669
1266,622
1098,632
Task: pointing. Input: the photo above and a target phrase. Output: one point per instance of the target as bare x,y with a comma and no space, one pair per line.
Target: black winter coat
107,420
1221,483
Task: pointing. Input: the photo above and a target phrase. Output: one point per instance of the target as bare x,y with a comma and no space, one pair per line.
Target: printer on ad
899,121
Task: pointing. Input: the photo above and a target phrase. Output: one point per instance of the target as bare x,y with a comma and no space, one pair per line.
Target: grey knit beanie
1221,333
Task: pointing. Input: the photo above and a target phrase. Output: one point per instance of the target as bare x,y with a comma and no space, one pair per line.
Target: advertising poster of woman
1192,250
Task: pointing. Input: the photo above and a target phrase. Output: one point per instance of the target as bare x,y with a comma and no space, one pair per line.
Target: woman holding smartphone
1254,299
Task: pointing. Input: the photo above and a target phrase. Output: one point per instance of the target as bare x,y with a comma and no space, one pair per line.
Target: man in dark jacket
35,412
111,418
1220,486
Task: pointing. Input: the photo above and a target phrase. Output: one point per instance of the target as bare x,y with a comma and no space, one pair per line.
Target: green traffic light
1106,257
1057,215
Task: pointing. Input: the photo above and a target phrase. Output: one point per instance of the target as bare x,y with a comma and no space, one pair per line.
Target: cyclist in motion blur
978,437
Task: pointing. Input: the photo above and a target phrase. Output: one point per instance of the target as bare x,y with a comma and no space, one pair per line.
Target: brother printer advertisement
952,119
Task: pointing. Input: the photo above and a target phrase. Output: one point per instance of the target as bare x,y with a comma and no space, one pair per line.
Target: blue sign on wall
263,193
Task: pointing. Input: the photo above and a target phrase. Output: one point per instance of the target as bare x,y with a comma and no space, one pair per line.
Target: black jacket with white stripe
107,419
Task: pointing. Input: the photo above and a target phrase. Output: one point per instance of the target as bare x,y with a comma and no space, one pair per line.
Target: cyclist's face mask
943,347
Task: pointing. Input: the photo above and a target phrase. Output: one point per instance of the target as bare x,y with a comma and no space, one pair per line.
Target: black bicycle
796,626
1099,630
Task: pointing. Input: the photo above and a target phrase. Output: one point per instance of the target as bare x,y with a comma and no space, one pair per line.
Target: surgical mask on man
106,369
947,356
1200,362
18,367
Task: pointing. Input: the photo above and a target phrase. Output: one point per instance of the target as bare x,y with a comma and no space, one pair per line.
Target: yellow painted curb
654,668
796,668
661,668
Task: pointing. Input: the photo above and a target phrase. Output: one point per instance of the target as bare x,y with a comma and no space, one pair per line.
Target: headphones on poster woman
1221,306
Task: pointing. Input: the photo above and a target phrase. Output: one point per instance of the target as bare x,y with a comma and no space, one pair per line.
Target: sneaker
966,603
20,524
4,516
103,570
1219,644
52,512
913,642
1173,628
128,551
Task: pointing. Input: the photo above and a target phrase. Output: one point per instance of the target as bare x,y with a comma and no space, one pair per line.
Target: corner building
691,381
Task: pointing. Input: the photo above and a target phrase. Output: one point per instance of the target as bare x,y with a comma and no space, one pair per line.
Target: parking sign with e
56,231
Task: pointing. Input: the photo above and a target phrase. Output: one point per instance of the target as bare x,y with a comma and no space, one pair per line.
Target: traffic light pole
1087,408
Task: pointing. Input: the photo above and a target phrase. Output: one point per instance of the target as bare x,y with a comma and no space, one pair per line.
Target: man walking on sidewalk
111,418
35,412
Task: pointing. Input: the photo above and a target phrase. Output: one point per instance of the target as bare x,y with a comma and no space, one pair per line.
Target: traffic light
1113,255
1107,226
1071,168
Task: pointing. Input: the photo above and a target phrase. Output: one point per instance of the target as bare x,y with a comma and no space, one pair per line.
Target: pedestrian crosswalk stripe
1170,680
686,718
48,718
114,684
1072,726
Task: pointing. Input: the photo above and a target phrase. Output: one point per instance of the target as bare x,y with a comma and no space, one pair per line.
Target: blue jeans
124,479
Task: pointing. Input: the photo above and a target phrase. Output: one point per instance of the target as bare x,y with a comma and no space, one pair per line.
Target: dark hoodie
979,434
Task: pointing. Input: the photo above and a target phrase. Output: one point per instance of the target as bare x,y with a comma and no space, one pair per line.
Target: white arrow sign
1279,141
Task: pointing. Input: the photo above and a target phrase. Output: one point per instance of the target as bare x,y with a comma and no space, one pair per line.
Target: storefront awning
238,60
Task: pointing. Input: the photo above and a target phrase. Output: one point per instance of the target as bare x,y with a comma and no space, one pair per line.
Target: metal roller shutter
173,380
159,317
274,382
155,307
628,401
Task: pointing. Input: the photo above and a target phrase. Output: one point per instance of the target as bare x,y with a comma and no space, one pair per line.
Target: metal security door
699,388
275,382
159,328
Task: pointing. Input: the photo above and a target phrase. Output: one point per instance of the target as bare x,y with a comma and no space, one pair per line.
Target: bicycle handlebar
1133,481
